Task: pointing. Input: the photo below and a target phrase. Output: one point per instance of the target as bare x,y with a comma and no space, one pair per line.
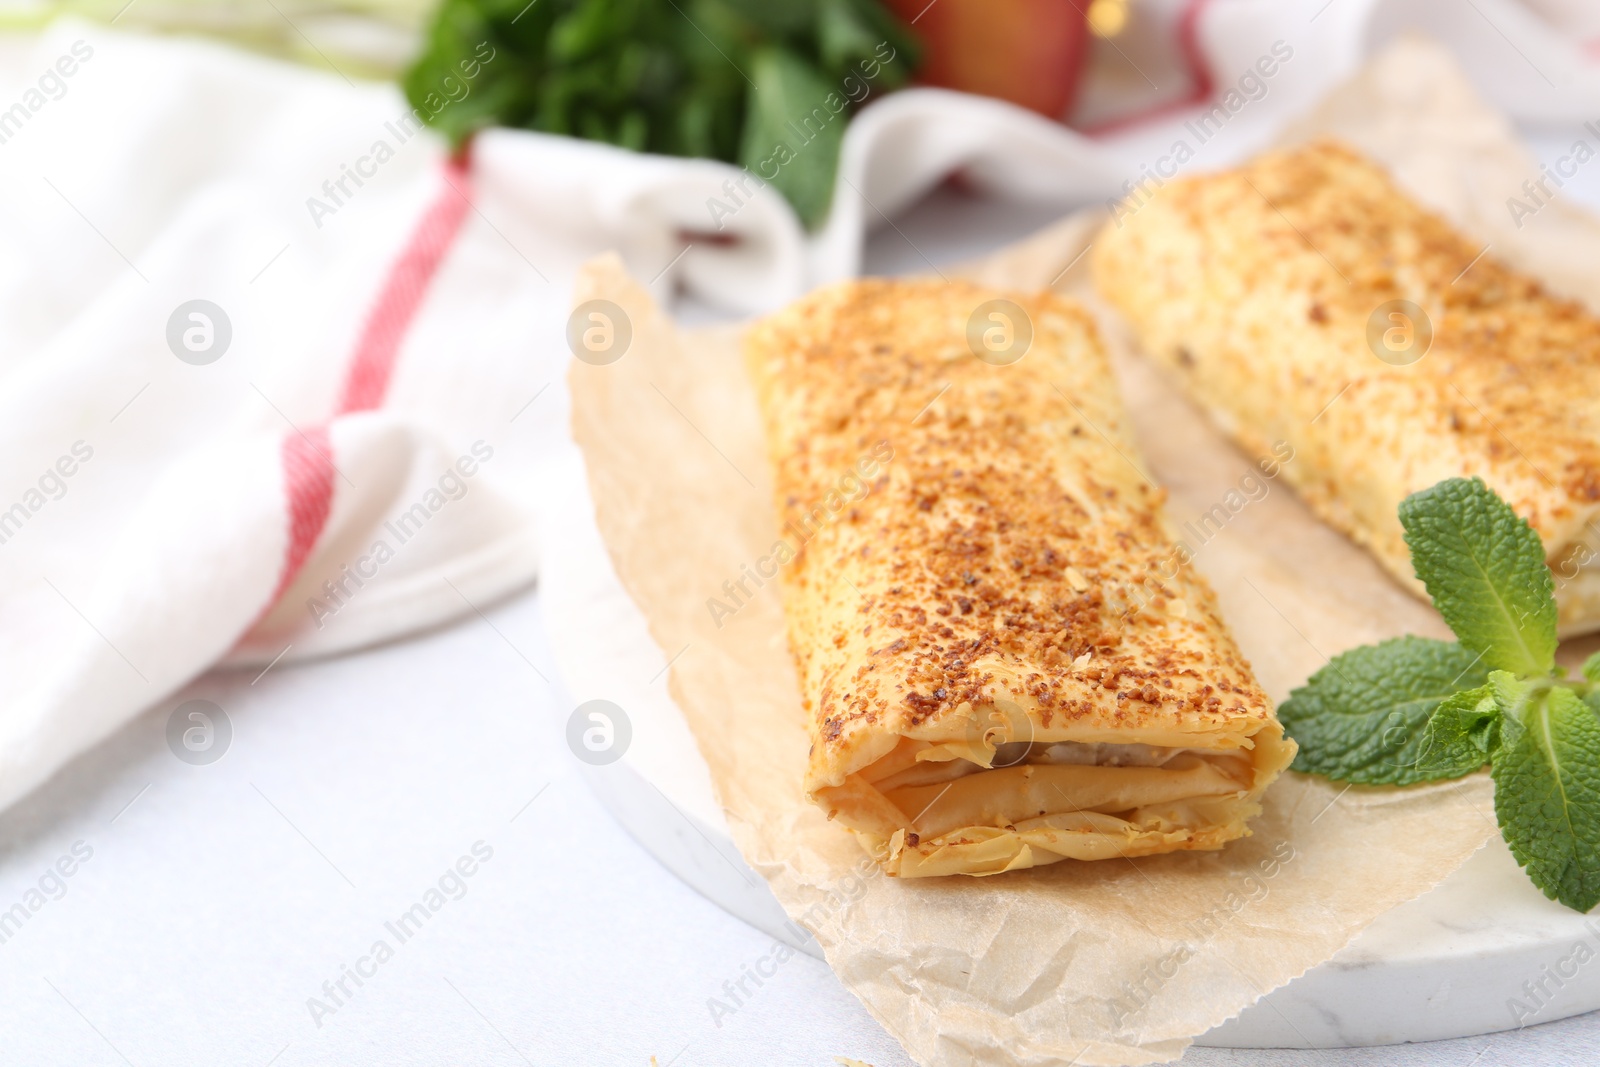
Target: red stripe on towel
368,377
308,460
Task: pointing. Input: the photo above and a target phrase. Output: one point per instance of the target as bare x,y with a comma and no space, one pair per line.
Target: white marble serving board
1482,952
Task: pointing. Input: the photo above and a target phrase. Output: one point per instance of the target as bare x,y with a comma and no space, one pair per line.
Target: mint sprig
1415,710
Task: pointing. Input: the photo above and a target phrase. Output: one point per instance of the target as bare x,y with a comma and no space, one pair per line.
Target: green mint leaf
1511,693
1484,567
1547,795
1591,667
1361,718
1460,734
793,128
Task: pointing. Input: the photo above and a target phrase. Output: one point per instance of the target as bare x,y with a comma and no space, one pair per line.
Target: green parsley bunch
768,84
1414,709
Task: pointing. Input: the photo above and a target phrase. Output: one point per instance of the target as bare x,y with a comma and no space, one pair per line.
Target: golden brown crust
1007,550
1256,288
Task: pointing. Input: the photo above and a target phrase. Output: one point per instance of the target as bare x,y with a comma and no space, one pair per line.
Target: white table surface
219,898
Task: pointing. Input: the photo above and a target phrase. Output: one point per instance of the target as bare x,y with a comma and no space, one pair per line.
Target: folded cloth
279,377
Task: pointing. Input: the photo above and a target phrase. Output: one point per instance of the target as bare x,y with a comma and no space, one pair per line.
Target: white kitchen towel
278,377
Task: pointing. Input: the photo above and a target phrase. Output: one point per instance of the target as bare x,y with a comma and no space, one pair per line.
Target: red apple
1029,52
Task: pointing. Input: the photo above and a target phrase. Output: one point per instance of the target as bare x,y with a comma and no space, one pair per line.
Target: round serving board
1484,951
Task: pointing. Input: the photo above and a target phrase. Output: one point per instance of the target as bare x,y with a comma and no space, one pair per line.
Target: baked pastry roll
1276,295
1004,663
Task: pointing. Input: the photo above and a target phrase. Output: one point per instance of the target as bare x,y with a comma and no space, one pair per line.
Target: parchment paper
1118,962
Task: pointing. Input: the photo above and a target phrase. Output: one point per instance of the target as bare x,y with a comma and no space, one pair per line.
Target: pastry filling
939,788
